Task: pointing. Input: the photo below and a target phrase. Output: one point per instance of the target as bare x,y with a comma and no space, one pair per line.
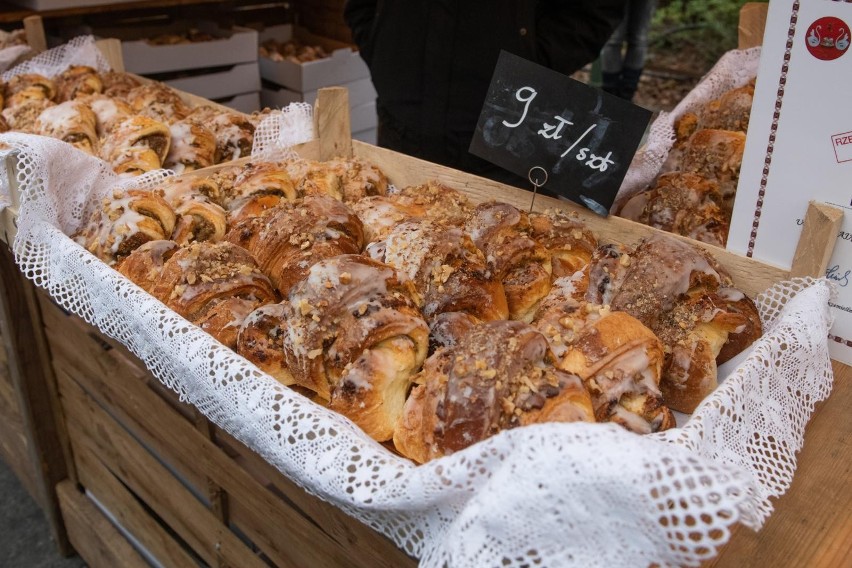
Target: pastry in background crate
352,334
498,375
687,299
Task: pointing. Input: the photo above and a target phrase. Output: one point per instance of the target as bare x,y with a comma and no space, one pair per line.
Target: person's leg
612,60
639,14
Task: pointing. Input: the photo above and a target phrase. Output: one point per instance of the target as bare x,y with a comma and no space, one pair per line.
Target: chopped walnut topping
489,373
345,278
314,353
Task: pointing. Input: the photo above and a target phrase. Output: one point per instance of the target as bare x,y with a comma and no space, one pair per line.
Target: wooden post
34,30
752,24
111,48
816,243
332,124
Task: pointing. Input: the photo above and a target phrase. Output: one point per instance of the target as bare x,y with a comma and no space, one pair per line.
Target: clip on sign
583,138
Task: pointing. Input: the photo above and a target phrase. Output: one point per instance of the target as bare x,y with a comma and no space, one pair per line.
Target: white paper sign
799,145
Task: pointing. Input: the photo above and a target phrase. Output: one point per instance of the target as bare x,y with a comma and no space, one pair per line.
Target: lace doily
605,496
734,69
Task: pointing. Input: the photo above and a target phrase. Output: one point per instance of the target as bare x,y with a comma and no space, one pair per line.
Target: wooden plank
331,123
811,525
156,425
111,50
752,23
34,388
96,539
751,276
94,430
128,511
34,30
14,450
816,243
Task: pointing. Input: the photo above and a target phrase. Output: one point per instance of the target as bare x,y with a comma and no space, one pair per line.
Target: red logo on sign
827,38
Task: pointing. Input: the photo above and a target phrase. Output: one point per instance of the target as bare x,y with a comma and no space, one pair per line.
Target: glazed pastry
315,178
251,190
360,178
686,299
28,87
260,339
124,221
151,136
682,203
443,203
449,272
619,359
215,286
449,328
566,238
110,112
71,122
731,111
24,117
200,218
502,233
157,101
118,84
145,264
501,375
76,81
715,155
192,147
381,213
354,336
234,133
294,236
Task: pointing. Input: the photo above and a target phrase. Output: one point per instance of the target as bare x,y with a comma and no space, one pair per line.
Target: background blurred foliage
707,28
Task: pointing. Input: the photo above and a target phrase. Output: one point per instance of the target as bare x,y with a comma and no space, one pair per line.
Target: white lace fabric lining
549,495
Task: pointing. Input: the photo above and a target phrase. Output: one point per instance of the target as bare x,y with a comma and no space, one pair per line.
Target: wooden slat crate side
14,449
174,439
128,511
93,536
94,430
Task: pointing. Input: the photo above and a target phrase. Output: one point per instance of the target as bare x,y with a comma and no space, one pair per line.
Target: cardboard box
234,45
236,80
343,66
364,117
360,92
246,103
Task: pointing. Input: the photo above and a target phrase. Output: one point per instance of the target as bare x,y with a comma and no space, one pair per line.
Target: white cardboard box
369,136
246,103
360,92
364,117
343,66
235,45
236,80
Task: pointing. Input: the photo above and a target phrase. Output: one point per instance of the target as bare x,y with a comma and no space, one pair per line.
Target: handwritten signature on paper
834,274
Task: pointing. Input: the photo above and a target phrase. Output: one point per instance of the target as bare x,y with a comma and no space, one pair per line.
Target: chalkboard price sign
582,137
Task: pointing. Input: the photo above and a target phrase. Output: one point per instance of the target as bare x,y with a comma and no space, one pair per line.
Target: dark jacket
431,60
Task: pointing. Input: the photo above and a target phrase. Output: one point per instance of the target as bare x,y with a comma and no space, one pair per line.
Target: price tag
583,138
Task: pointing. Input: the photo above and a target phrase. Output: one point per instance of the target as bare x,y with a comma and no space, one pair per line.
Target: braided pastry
76,81
355,337
449,272
687,300
125,221
72,122
501,375
295,236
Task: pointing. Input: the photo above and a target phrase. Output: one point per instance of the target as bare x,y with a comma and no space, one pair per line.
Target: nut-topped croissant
619,359
124,221
294,236
353,335
715,155
449,272
443,203
157,101
381,213
688,300
501,375
502,233
569,242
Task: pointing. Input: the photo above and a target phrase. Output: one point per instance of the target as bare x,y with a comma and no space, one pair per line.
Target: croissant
76,81
110,112
347,179
355,337
619,359
251,190
118,84
158,102
715,155
443,203
381,213
71,122
449,328
686,299
144,265
260,339
137,131
500,375
28,87
502,233
234,133
192,147
449,272
682,203
125,221
295,236
315,178
215,286
569,242
200,218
